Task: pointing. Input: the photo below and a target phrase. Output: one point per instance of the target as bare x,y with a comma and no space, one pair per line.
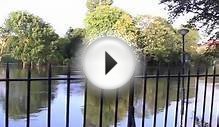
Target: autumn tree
205,12
33,40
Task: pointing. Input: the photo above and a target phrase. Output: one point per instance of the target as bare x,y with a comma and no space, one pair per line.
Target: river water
39,98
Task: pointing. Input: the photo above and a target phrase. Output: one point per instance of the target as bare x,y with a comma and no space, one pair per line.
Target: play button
108,63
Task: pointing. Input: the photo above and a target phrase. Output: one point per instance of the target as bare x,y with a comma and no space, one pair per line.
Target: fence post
218,120
7,96
131,112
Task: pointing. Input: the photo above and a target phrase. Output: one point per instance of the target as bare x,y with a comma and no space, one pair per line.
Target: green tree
4,45
107,20
206,12
92,4
33,39
191,41
70,45
157,39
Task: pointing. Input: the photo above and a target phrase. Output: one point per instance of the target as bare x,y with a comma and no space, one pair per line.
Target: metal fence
179,121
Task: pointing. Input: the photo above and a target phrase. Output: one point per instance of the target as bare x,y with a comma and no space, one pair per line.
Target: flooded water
39,99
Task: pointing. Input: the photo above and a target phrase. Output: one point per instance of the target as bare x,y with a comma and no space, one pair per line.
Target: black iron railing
182,121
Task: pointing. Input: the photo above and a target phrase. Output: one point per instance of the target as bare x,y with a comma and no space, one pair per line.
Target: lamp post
183,32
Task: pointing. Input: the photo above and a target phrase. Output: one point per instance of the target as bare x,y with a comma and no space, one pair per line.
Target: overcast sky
62,14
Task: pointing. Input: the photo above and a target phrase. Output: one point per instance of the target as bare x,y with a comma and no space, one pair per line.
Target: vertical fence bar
196,96
131,111
116,108
145,92
183,88
85,104
101,109
7,96
156,92
205,92
167,98
28,94
177,100
187,97
212,97
68,95
217,120
49,96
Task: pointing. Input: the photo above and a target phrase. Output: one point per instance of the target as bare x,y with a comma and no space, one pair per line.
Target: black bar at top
81,78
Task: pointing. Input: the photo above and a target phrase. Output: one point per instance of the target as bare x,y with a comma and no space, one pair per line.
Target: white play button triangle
108,63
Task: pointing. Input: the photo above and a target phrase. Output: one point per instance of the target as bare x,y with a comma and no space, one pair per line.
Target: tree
92,4
107,20
206,12
72,42
4,46
33,40
157,39
191,41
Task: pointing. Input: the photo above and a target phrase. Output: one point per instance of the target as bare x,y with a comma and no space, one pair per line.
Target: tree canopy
33,40
92,4
205,12
152,36
158,39
108,20
73,42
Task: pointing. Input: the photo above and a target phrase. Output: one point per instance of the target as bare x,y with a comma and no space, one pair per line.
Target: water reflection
109,101
18,94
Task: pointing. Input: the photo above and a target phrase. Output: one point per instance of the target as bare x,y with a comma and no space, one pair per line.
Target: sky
62,14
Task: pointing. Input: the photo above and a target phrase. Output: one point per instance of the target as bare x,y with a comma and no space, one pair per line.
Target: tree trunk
24,65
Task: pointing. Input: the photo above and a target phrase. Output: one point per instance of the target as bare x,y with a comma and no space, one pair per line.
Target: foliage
191,41
205,59
107,20
32,39
206,12
4,46
92,4
70,45
158,39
